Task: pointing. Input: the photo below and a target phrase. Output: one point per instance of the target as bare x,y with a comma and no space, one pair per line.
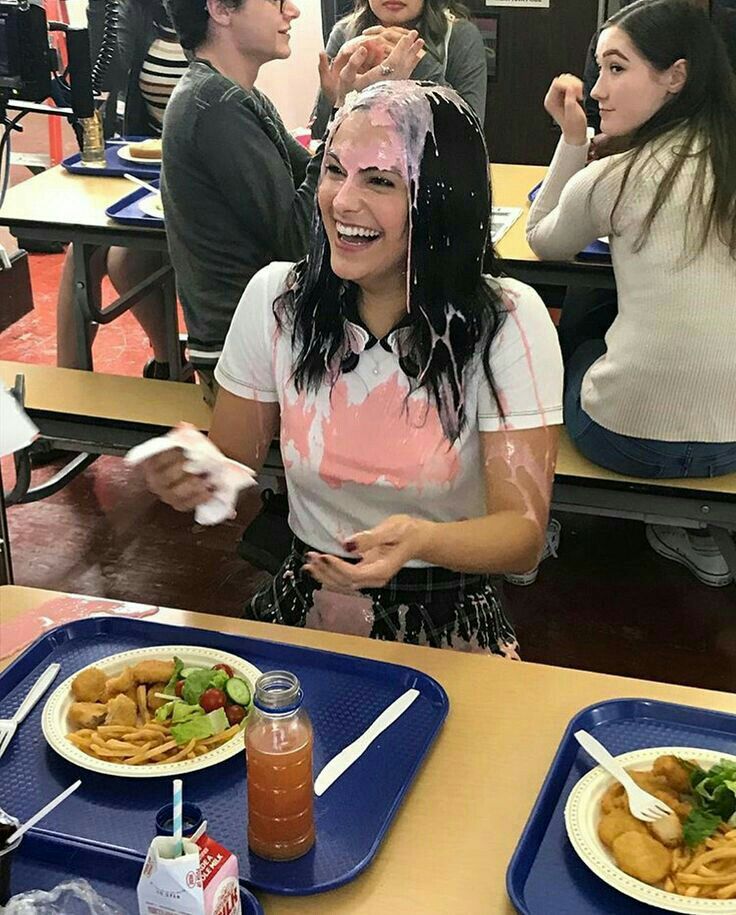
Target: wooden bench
108,414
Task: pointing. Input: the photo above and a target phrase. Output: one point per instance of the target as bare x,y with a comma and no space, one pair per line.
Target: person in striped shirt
149,63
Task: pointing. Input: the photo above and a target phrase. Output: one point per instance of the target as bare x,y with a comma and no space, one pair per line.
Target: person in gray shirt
454,52
238,190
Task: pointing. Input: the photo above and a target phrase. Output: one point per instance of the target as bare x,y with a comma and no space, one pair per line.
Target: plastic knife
347,756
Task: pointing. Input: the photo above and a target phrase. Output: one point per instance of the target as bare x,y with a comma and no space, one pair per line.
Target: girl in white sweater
657,396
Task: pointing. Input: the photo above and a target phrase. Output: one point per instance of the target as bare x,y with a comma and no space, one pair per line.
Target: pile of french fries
708,871
149,742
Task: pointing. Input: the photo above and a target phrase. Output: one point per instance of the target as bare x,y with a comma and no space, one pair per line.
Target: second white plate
582,814
124,153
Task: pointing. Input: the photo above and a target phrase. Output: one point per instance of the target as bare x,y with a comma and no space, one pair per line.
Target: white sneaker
551,545
700,554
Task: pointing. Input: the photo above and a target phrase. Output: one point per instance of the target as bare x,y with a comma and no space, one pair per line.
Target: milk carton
202,881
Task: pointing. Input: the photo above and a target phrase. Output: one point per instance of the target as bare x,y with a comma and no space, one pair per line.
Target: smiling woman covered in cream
416,399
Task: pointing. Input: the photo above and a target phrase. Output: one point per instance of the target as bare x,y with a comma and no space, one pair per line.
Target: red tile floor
607,604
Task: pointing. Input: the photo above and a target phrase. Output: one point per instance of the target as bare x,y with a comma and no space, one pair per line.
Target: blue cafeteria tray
343,695
42,863
115,166
128,212
545,876
596,250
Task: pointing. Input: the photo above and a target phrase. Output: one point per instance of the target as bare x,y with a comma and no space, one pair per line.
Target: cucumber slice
238,691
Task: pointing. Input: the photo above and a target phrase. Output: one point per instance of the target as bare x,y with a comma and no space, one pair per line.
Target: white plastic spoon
22,830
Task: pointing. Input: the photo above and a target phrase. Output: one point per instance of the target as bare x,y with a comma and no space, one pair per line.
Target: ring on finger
386,69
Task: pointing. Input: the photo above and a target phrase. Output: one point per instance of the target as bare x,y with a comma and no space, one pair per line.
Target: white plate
582,814
55,727
151,205
124,153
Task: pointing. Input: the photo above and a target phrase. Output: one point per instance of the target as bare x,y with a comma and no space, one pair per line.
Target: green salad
203,701
714,800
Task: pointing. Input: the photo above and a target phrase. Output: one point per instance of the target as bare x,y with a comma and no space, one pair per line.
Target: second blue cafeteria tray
343,695
545,876
42,863
128,212
115,166
596,250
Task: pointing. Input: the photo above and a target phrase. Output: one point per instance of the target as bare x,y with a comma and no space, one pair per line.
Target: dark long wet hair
703,114
431,25
454,311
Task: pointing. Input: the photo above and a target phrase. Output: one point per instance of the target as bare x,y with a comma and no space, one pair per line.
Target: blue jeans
635,457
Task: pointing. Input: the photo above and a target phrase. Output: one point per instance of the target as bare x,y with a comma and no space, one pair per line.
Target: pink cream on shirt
385,436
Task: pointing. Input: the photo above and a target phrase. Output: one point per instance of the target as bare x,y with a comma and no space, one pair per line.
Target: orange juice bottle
278,748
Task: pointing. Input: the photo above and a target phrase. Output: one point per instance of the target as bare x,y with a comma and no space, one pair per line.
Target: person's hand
383,551
166,478
399,64
564,103
390,35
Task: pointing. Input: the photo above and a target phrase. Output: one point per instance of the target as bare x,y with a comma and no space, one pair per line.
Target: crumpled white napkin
227,476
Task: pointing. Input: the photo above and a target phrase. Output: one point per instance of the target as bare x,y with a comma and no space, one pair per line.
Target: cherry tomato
212,698
226,667
235,713
179,687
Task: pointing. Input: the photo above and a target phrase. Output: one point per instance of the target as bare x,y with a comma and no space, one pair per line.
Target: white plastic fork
8,725
644,806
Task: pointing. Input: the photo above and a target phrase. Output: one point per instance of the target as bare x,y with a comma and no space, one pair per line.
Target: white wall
292,84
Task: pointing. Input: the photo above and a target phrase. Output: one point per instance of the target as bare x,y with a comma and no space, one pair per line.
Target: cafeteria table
58,206
448,849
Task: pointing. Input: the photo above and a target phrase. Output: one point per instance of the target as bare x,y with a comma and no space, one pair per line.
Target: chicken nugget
89,685
86,714
120,684
617,822
674,773
648,781
122,710
642,857
149,672
667,830
614,798
152,699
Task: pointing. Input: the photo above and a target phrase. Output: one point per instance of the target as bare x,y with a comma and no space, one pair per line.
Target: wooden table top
56,198
449,846
59,199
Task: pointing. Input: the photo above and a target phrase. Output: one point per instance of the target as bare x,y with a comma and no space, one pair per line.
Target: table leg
173,353
6,565
82,312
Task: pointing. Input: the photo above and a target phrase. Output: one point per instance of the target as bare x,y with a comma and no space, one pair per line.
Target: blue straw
178,848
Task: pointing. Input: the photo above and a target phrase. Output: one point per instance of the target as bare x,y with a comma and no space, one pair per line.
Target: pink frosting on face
411,449
381,148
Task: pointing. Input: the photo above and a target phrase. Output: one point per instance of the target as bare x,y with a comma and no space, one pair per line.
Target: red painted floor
607,604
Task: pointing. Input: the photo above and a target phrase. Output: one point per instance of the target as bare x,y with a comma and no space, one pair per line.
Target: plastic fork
8,725
643,805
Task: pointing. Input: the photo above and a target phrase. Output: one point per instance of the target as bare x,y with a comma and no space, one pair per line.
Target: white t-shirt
363,451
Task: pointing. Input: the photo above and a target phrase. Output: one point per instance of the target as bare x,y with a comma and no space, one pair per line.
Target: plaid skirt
421,606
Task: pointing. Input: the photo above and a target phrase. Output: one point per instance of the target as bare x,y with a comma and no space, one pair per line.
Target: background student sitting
656,397
148,65
453,54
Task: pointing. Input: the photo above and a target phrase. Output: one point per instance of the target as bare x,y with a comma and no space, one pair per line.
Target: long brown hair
697,123
431,25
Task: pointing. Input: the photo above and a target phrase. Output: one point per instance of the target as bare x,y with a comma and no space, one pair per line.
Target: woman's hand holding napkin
185,470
